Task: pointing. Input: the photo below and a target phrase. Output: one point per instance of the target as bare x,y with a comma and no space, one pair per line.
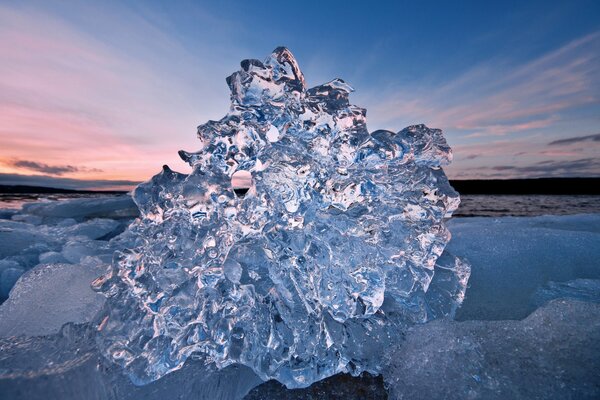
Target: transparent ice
333,250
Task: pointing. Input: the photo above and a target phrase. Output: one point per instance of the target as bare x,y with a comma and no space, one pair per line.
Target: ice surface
15,237
470,359
514,256
67,366
552,354
315,269
93,229
76,249
29,219
51,257
8,278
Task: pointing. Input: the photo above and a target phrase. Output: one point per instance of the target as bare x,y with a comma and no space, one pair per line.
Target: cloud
589,167
48,169
511,127
65,183
577,139
500,96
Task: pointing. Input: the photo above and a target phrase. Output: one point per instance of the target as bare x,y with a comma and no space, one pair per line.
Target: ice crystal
328,247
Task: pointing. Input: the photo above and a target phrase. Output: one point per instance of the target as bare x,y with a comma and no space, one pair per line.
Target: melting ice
336,246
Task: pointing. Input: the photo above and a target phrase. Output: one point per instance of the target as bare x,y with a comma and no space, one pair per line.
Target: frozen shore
529,326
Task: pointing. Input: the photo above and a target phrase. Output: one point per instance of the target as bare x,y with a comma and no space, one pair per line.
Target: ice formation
335,247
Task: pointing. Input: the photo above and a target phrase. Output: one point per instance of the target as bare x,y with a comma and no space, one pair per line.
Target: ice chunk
332,250
554,353
28,245
77,249
15,237
49,296
512,257
66,222
29,219
93,229
6,213
42,230
4,264
105,207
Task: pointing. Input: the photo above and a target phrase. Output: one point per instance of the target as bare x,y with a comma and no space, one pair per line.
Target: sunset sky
102,94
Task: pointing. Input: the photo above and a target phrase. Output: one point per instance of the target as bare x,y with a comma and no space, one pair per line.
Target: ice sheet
512,256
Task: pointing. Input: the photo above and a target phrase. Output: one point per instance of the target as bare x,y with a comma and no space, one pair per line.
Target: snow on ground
511,340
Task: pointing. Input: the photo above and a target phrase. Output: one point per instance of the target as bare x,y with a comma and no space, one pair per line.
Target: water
526,205
471,205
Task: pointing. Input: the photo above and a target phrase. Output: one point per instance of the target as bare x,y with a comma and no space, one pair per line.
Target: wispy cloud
500,115
511,127
113,90
48,169
576,139
581,167
499,97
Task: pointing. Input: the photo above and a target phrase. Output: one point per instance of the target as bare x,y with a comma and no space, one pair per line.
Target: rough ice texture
67,366
334,248
443,359
552,354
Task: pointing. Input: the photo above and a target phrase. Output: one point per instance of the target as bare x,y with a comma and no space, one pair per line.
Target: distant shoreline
24,189
542,186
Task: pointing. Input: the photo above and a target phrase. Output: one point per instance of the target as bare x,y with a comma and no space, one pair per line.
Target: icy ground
529,326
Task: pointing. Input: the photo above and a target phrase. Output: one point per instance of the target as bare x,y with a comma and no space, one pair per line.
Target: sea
471,205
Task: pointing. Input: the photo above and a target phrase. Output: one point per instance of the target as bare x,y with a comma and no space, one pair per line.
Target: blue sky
111,90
